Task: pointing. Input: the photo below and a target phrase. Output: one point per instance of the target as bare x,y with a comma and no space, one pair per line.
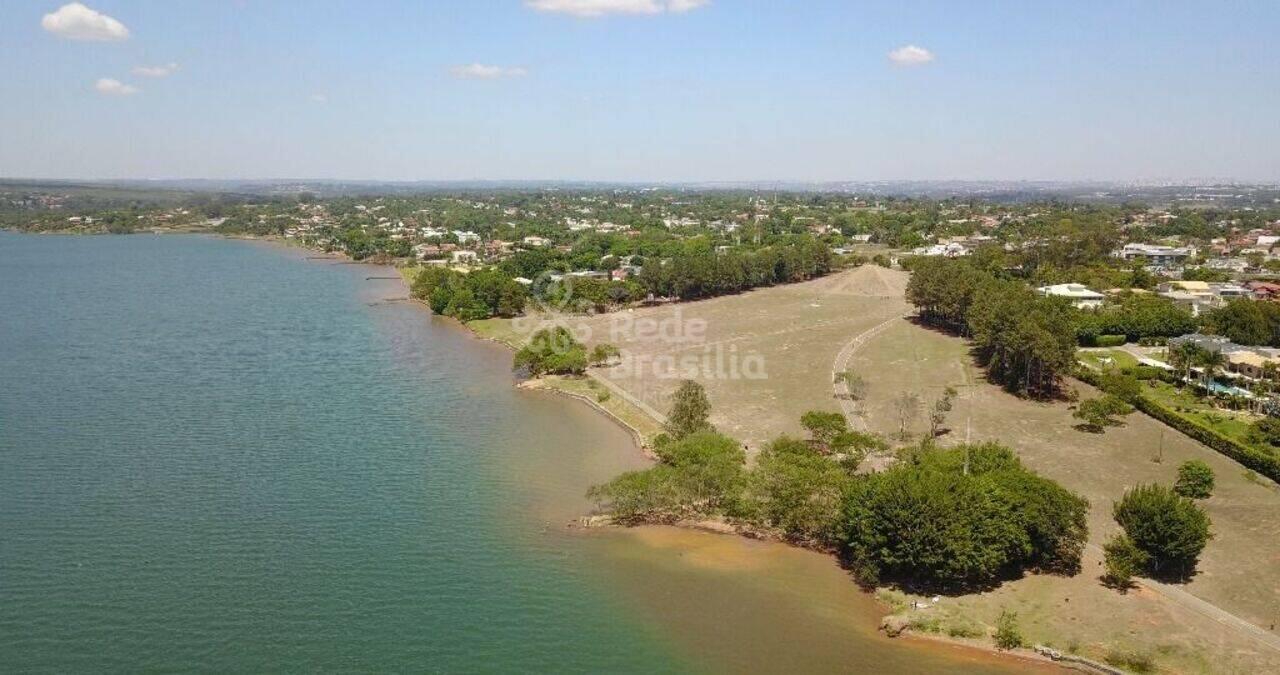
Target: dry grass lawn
796,331
1240,569
790,334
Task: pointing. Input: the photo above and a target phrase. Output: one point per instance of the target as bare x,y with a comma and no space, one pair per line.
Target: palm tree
1185,356
1210,363
1270,372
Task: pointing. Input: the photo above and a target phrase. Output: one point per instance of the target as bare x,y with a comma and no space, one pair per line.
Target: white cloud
480,71
74,21
156,71
319,98
682,6
594,8
112,87
910,55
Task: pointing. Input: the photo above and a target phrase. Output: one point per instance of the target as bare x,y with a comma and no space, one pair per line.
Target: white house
1155,255
1078,294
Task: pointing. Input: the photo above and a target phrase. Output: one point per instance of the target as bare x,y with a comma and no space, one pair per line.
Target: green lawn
1182,401
1100,359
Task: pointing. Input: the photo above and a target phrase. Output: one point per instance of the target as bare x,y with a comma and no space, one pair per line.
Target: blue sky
645,90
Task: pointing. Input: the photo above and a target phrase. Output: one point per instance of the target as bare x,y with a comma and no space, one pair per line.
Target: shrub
1171,529
1195,480
1124,560
698,475
1257,459
1109,340
603,353
1008,636
1136,662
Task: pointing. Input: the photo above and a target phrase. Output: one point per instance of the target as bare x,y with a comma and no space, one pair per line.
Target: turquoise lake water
221,456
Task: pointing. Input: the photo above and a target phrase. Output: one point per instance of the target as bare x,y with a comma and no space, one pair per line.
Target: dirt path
841,364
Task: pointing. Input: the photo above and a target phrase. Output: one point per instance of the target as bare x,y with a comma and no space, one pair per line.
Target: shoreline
716,527
640,443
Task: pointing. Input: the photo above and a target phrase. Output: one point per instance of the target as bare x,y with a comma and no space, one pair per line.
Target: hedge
1109,340
1251,457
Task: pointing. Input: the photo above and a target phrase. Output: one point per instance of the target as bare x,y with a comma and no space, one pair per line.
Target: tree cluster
478,295
961,517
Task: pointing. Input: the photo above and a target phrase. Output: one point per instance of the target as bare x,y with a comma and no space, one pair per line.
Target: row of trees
1026,342
1135,316
707,273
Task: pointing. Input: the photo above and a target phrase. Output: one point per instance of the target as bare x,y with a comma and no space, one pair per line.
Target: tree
1096,414
1169,528
907,406
552,351
1123,560
1185,355
690,410
824,428
1195,480
938,414
829,434
797,491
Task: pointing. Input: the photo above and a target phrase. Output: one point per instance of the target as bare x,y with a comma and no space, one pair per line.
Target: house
1251,364
1229,291
1163,256
1079,295
536,241
1263,290
1194,296
951,250
464,257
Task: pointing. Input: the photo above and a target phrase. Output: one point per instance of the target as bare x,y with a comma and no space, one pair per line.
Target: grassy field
1240,569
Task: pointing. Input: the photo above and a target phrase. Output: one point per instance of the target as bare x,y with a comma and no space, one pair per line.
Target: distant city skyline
639,91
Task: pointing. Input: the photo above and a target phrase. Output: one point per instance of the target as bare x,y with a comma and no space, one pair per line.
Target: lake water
223,456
